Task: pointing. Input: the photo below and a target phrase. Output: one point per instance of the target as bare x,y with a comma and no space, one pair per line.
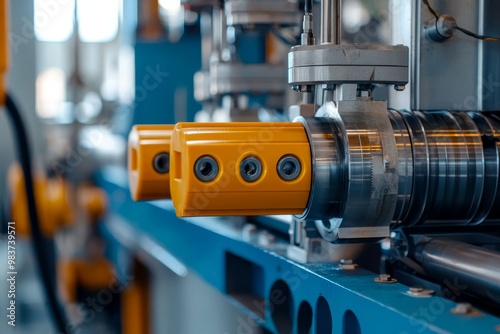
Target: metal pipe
467,268
219,32
330,21
206,39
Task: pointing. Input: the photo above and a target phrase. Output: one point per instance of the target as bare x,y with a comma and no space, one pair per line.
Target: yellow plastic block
52,198
91,275
228,192
145,144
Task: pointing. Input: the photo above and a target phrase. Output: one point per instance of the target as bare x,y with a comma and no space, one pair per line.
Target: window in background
53,20
98,20
51,93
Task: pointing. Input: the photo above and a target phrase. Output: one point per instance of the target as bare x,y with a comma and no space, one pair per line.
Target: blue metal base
270,288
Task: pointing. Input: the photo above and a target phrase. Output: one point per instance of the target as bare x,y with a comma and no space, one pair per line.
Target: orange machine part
145,142
136,316
229,144
93,200
52,198
89,274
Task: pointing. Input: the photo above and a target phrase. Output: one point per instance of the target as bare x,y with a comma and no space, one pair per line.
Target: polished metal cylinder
448,158
330,21
475,269
374,168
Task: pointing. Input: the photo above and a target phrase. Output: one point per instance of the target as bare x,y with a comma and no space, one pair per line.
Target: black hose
41,254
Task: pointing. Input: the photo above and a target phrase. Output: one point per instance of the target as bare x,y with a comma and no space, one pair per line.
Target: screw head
462,308
416,291
348,264
385,278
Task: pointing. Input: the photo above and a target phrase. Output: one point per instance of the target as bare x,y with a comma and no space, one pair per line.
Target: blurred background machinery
253,166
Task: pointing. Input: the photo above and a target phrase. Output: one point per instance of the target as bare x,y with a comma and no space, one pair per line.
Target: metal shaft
206,39
469,269
330,21
219,32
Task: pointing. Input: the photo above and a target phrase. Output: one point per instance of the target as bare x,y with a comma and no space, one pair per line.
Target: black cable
308,7
463,30
431,9
41,255
483,37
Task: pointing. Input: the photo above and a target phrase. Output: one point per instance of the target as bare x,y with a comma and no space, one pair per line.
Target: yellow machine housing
231,144
145,142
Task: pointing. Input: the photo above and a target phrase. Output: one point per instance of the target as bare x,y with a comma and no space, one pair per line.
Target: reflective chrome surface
477,269
374,168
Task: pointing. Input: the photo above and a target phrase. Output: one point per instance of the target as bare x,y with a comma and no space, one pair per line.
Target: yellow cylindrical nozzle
149,162
92,275
225,169
3,49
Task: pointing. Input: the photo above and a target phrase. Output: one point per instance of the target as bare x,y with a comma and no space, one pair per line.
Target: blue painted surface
163,73
201,244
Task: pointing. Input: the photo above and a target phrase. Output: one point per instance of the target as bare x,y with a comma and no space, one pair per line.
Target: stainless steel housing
341,64
377,168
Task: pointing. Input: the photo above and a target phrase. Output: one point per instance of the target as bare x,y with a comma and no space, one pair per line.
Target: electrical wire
483,37
463,30
41,255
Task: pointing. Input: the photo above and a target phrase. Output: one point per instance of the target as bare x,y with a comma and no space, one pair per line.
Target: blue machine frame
266,285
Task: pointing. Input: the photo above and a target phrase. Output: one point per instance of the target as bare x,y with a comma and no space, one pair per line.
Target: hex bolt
462,308
161,163
265,238
416,291
206,168
348,264
249,232
250,169
288,167
385,278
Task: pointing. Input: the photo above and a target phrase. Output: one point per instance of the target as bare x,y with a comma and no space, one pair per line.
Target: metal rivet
385,278
161,163
417,291
206,168
250,169
288,167
347,264
462,308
